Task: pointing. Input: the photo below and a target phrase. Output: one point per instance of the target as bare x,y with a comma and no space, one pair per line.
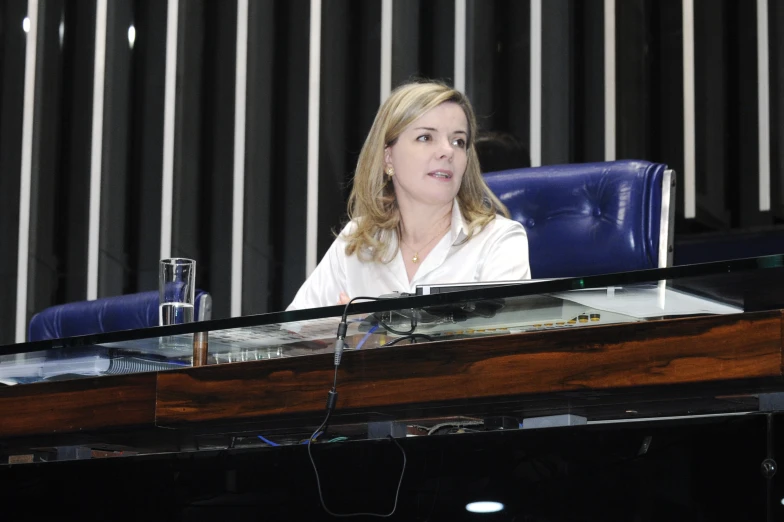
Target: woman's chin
437,199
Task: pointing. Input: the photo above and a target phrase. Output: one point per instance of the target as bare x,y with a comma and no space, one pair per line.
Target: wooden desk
673,366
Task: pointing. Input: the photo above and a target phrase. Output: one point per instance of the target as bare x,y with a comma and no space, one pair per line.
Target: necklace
415,259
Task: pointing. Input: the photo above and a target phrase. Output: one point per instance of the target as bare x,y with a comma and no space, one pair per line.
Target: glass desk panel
486,310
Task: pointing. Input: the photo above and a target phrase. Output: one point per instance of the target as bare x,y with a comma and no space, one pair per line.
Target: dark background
649,125
688,470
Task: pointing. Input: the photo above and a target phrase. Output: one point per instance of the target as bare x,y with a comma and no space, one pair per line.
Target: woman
420,212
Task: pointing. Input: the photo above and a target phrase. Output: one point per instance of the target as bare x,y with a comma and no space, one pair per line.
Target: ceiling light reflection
131,36
484,506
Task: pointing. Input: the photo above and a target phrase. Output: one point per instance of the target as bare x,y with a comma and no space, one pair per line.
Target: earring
390,171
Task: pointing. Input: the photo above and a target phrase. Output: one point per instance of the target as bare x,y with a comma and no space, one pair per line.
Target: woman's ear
387,156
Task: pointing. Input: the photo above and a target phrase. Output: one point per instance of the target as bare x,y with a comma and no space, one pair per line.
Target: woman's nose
445,149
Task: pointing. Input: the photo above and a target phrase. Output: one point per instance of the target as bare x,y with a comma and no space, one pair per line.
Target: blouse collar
458,229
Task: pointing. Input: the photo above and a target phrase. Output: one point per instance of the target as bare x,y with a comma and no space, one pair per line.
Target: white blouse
499,252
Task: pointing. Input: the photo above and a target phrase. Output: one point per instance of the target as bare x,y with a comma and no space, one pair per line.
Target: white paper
647,301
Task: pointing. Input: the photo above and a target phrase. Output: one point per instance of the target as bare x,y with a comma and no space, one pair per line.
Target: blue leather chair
592,218
108,314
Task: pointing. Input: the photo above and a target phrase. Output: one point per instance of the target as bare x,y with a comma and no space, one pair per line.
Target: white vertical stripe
666,218
536,83
609,81
169,113
763,104
460,45
238,198
689,124
314,87
26,174
96,152
386,48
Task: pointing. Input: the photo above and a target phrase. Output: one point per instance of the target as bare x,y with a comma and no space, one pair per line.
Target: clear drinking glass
177,287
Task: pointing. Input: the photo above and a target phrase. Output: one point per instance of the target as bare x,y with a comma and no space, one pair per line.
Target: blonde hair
372,204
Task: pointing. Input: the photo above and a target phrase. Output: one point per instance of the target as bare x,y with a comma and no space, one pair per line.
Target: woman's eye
424,137
459,142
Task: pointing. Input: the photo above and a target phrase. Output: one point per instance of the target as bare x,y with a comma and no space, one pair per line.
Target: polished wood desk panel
739,352
81,405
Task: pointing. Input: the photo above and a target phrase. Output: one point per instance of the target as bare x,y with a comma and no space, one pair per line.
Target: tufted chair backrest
591,218
107,314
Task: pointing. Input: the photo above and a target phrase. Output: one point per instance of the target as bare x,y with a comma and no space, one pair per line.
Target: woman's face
429,157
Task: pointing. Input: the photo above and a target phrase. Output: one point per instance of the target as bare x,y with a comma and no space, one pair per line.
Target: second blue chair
592,218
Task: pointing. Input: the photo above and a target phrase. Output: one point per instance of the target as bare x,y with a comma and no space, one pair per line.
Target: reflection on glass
52,365
460,320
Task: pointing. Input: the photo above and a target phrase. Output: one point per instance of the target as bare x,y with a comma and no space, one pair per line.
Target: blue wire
266,441
369,332
270,443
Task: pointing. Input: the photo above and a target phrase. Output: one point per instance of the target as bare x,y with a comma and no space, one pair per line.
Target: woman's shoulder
349,234
501,225
506,223
348,229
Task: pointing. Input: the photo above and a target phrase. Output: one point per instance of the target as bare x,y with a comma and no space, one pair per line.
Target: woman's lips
442,175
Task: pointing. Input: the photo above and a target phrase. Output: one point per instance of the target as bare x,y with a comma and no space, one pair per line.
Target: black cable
341,335
379,515
345,310
332,395
412,337
332,399
398,332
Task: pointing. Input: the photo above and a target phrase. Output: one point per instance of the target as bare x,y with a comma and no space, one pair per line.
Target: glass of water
177,287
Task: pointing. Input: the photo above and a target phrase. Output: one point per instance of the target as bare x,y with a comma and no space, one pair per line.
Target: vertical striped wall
227,131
